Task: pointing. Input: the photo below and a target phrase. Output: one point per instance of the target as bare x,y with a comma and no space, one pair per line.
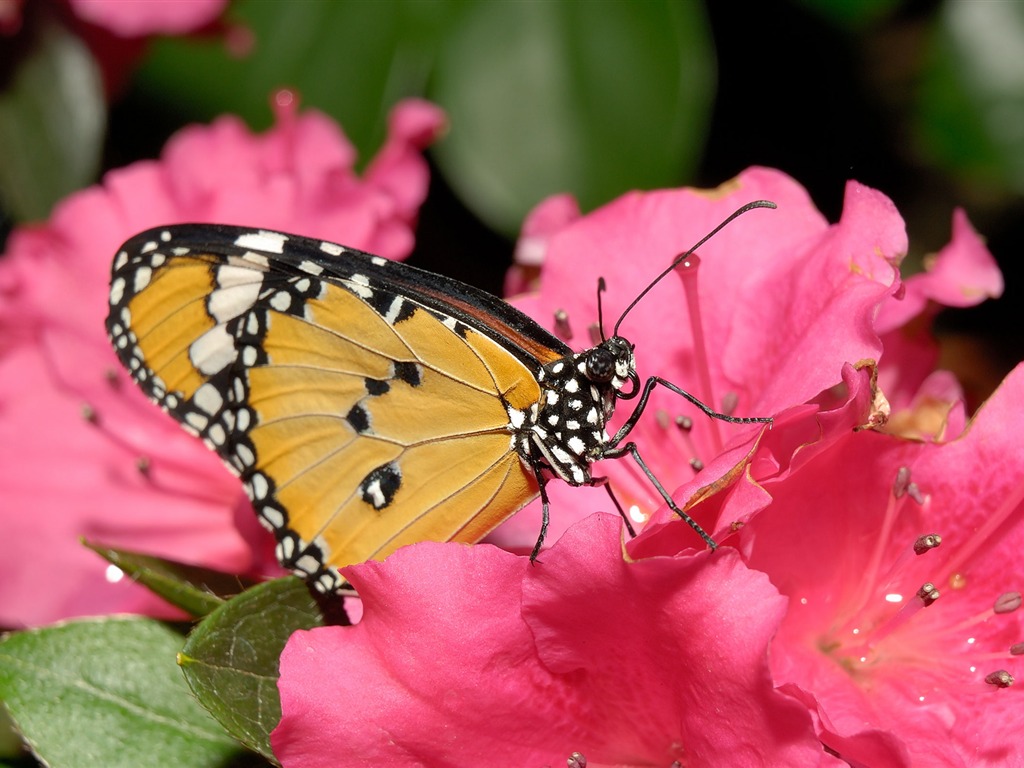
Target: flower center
884,622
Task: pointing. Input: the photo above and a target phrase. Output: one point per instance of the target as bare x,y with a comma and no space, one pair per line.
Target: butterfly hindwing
365,404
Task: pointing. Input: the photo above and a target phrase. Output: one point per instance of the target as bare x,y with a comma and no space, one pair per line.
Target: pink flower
136,18
962,274
786,304
500,662
893,682
81,451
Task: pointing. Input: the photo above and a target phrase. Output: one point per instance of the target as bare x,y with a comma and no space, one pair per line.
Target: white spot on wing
208,399
237,291
332,248
361,285
259,259
281,301
142,278
213,351
272,242
117,291
516,417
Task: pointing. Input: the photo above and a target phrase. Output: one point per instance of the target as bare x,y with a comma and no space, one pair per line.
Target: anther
729,402
89,413
562,328
661,416
576,760
594,330
928,594
1017,649
1008,602
899,487
926,543
1000,678
143,465
684,423
915,493
697,464
110,376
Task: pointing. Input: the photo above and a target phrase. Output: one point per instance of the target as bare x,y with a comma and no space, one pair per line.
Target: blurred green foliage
587,98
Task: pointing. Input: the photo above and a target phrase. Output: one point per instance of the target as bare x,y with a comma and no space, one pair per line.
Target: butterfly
366,404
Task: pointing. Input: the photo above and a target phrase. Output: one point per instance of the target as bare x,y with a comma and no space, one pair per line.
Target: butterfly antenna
678,259
601,288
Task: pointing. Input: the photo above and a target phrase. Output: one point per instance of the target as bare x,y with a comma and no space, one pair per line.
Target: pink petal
534,662
548,218
962,274
837,541
134,18
787,301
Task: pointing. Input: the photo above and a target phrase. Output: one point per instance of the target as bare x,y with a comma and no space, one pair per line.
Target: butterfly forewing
365,404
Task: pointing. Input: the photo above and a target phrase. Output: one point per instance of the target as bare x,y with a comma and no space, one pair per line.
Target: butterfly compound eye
600,365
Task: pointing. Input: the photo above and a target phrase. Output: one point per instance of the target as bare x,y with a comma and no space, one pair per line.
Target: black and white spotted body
578,394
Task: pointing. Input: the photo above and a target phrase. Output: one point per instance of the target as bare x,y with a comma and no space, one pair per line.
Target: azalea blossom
766,319
82,452
901,562
962,274
470,656
539,695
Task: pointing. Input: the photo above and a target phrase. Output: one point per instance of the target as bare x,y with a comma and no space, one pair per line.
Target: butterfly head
611,363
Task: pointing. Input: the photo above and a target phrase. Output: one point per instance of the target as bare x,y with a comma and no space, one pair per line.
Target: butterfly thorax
578,392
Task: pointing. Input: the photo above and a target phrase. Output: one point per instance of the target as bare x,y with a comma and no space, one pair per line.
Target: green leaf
52,122
589,98
106,693
231,658
194,589
351,60
972,93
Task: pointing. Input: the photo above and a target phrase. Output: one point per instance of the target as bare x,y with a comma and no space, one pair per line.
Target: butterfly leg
542,485
631,449
651,383
603,482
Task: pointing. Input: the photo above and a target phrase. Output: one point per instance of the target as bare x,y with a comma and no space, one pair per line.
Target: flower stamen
1000,678
563,329
688,269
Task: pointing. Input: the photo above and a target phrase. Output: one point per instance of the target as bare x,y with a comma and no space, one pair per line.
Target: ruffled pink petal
787,302
626,663
549,217
962,274
838,541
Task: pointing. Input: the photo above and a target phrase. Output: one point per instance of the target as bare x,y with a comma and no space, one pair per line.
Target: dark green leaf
52,122
351,60
231,658
972,94
107,693
589,98
194,589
